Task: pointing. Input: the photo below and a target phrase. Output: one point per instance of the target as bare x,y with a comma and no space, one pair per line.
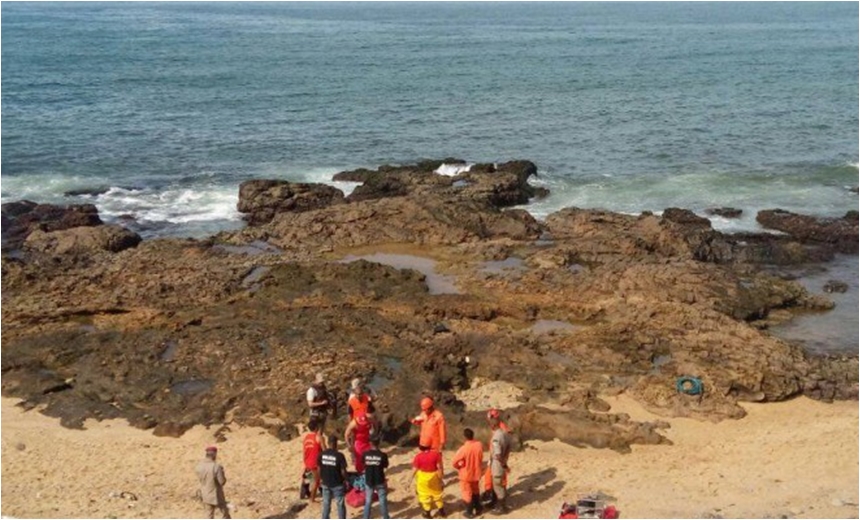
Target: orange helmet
426,403
493,414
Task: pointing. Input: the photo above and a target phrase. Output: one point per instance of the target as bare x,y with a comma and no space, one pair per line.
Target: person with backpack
318,401
375,463
469,461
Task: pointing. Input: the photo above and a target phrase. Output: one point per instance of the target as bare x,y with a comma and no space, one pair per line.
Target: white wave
173,205
41,187
452,170
695,191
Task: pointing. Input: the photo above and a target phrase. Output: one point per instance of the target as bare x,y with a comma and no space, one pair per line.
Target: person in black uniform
375,464
332,466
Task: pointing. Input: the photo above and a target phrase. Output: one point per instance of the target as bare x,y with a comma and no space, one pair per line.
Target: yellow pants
428,485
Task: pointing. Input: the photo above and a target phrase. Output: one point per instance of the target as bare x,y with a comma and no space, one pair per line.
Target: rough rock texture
23,217
260,200
841,233
499,185
82,240
173,333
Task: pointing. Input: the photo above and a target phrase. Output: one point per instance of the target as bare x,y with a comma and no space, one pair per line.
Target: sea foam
452,170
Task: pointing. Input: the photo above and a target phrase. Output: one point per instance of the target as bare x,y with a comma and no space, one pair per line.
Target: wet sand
797,459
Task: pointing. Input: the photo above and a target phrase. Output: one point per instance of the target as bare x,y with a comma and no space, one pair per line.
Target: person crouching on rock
427,471
313,443
358,433
212,480
469,462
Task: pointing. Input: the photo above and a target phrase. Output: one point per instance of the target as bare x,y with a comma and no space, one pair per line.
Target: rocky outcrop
23,217
841,233
177,332
81,240
725,212
260,200
499,185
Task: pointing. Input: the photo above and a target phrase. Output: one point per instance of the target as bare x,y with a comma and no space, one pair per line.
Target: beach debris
128,495
689,385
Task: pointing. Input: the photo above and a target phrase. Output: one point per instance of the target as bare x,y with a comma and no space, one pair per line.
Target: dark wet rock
685,217
725,212
839,232
835,286
499,185
92,192
23,217
260,200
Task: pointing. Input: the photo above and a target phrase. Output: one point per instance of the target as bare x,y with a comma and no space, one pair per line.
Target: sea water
155,112
159,110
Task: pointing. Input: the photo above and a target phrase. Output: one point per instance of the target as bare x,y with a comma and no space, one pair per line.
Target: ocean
157,111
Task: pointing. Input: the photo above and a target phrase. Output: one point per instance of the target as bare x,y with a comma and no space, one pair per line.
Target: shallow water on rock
257,247
383,377
169,352
834,331
254,276
436,283
191,387
546,326
511,263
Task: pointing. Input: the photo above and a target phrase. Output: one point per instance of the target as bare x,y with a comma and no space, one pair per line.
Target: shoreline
796,459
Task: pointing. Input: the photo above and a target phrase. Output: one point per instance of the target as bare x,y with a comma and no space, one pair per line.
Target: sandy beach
796,459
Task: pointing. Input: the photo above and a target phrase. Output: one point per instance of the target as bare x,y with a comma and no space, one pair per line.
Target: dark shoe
441,512
468,513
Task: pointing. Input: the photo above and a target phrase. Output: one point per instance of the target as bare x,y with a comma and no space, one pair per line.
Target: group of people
327,467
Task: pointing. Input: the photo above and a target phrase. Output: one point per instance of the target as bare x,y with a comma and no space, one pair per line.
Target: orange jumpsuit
359,405
469,460
433,430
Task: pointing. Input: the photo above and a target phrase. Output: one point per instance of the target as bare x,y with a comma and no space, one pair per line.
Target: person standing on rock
434,432
332,466
469,463
212,480
500,449
318,401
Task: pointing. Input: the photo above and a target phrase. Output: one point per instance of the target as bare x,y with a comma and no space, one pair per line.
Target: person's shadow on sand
538,487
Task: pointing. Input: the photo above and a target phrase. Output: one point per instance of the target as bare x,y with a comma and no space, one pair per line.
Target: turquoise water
167,107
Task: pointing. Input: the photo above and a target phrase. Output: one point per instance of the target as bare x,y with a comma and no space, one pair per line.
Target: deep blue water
628,107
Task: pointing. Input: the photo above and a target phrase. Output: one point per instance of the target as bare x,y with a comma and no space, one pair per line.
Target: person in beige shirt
212,480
